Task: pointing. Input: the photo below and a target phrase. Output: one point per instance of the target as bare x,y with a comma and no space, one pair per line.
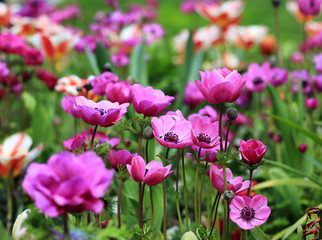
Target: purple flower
76,142
68,183
148,101
257,77
317,82
99,83
103,113
120,158
278,76
318,62
120,92
248,212
67,103
193,97
4,70
188,6
151,174
245,98
152,32
120,59
305,78
88,40
312,103
309,7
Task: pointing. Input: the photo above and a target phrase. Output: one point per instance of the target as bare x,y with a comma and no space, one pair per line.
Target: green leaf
300,102
92,61
3,233
102,57
301,182
29,101
258,234
138,68
315,162
186,72
195,67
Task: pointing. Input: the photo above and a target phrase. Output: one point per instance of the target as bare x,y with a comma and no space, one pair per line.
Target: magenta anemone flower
312,103
204,133
67,103
248,212
151,174
74,143
120,92
148,101
193,97
103,113
68,183
252,151
99,83
119,158
317,82
220,85
278,76
172,132
303,76
257,77
318,62
217,180
309,7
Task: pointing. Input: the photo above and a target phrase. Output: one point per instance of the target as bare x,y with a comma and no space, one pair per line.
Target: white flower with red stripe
15,154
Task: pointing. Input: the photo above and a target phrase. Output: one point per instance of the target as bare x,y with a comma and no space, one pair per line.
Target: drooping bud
229,195
302,147
232,113
148,133
189,236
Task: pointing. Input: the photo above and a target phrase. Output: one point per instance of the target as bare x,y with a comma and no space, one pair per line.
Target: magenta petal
263,213
154,176
222,92
258,201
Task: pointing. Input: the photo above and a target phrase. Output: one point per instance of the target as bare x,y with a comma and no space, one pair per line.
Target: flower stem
226,139
220,126
9,201
65,227
225,203
147,151
250,181
164,212
196,191
185,192
177,191
140,206
140,145
200,193
119,203
277,34
93,137
152,207
215,206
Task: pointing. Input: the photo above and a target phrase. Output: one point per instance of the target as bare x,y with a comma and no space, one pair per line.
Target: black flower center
305,83
257,81
247,213
101,111
312,4
204,138
171,137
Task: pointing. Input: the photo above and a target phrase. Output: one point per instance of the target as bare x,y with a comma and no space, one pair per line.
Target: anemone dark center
171,137
204,138
312,4
101,111
258,81
305,83
247,213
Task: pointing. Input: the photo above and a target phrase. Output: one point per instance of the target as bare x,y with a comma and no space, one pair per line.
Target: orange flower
54,51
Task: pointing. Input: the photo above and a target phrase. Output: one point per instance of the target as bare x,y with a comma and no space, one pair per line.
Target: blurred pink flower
309,7
120,92
193,97
101,136
33,56
172,132
99,83
220,85
148,101
74,143
317,82
317,59
46,77
103,113
252,151
119,158
204,133
88,40
120,59
152,32
303,76
257,77
278,76
248,212
245,98
297,57
151,174
4,70
68,183
234,184
67,103
208,155
312,103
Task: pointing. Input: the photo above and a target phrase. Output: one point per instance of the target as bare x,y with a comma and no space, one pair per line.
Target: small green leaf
258,234
92,61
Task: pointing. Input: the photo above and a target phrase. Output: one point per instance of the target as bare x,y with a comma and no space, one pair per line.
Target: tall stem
200,193
185,191
277,34
93,137
140,206
9,201
65,227
147,151
119,203
164,212
225,202
215,206
250,181
177,191
226,139
152,206
196,191
140,145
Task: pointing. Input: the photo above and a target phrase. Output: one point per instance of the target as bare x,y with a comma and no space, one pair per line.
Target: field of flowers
147,119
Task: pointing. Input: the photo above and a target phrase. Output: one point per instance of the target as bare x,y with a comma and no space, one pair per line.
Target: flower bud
107,67
189,236
229,195
104,224
232,113
148,133
302,147
18,231
276,3
312,103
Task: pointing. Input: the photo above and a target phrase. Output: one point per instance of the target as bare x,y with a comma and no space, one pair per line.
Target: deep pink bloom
234,184
204,133
76,142
152,32
119,158
318,62
311,103
257,77
192,96
245,98
99,83
172,132
11,43
148,101
103,113
120,59
248,212
46,77
151,174
68,183
69,12
220,85
278,76
317,82
67,103
87,40
120,92
302,147
188,6
252,151
4,71
309,7
303,76
33,56
297,57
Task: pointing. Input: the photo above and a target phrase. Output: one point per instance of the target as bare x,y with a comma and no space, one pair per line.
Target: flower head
99,83
257,77
248,212
193,97
151,174
119,158
120,92
278,76
309,7
220,85
68,183
252,151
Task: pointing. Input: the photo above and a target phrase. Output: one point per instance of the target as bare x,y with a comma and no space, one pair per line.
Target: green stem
226,140
200,193
65,227
9,201
250,181
185,192
215,206
147,151
140,145
196,191
225,203
93,137
140,207
119,203
177,193
164,213
152,206
220,126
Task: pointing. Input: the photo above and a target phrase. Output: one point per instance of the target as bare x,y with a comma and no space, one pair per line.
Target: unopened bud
88,86
302,147
232,113
189,236
276,3
104,224
148,133
229,195
107,67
